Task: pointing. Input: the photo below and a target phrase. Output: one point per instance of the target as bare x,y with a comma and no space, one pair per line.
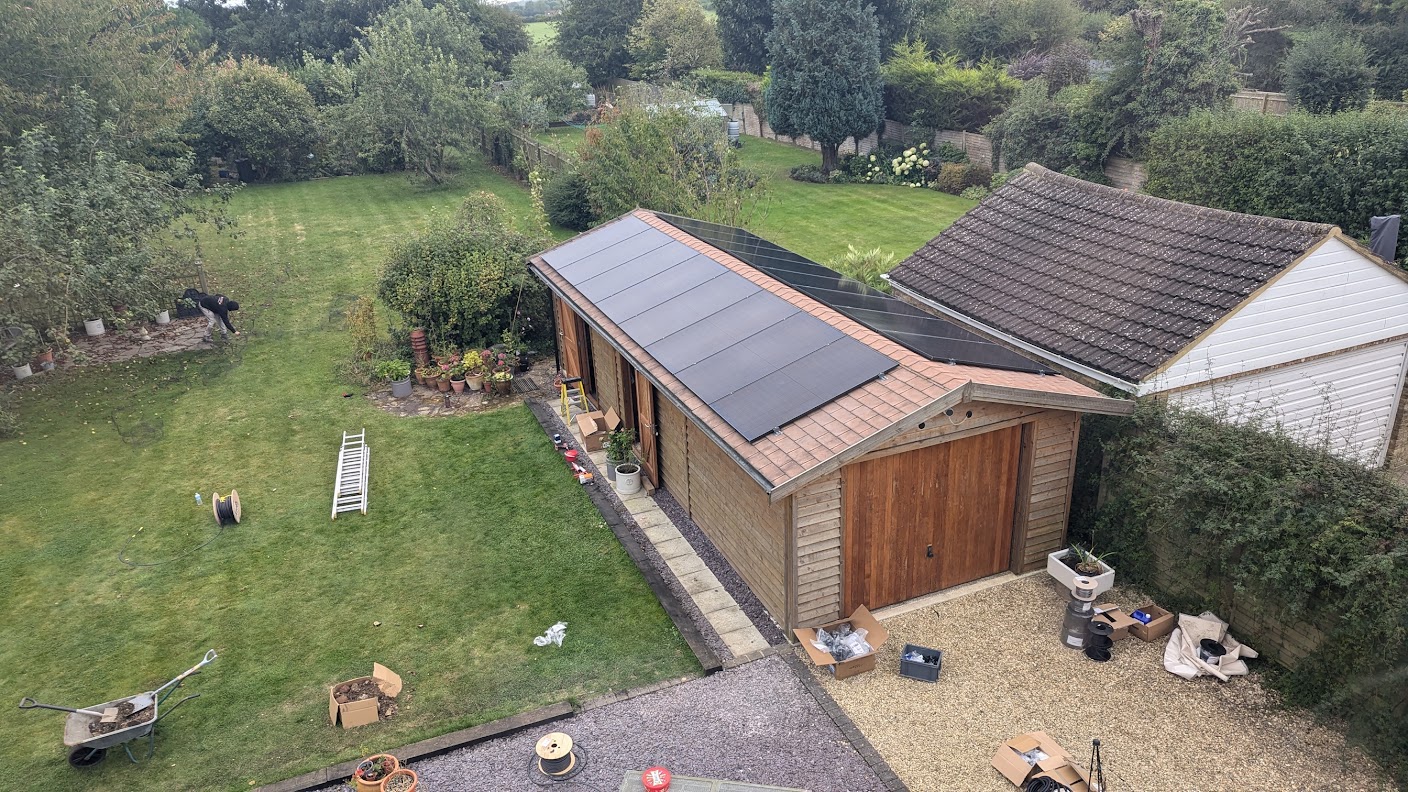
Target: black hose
1046,785
225,510
122,552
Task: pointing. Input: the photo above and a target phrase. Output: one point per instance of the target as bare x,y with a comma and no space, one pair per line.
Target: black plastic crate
924,672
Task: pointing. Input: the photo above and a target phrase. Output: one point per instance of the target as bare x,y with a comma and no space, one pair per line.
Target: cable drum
226,509
555,758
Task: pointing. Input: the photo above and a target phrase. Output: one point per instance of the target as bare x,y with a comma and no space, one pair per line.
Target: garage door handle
930,552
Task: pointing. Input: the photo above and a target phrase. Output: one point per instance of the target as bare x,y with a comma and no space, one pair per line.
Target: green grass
475,542
565,139
819,220
541,32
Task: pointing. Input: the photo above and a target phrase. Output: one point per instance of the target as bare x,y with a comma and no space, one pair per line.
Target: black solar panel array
931,336
754,358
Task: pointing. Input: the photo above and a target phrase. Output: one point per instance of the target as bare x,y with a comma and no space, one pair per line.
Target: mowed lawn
476,540
541,32
820,220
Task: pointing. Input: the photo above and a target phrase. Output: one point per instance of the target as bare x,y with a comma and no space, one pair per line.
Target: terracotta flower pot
503,386
375,786
398,786
443,385
457,384
474,383
420,346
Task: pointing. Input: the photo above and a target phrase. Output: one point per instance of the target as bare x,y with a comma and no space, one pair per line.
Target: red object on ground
570,456
656,779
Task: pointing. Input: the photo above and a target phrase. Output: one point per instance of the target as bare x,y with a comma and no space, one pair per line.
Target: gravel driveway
755,723
1005,672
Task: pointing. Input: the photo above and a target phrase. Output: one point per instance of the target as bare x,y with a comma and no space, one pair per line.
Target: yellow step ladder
573,395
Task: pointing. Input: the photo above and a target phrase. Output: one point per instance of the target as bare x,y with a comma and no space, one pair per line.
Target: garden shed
1250,317
831,464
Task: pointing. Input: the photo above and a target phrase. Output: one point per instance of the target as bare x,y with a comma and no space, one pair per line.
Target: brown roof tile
1110,279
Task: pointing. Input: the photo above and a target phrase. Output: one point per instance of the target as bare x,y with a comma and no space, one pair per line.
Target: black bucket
1210,651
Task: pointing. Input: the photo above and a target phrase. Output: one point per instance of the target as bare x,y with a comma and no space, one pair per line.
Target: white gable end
1344,403
1333,299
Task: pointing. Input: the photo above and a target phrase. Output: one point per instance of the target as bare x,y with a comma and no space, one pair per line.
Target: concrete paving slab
673,548
715,599
702,580
741,642
689,564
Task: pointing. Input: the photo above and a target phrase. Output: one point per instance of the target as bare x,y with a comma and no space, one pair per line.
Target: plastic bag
554,635
844,643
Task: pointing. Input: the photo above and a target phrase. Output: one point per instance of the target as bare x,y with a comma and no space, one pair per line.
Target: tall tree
743,30
422,83
594,34
1328,71
129,56
501,32
545,88
1171,57
825,58
671,39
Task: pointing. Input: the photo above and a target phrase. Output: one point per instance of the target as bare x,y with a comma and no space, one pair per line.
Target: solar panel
932,336
729,340
590,242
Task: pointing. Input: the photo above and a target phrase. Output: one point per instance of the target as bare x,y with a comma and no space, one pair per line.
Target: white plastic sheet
554,635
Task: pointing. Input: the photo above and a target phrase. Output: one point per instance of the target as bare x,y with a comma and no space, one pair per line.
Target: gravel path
1005,672
755,723
712,558
711,637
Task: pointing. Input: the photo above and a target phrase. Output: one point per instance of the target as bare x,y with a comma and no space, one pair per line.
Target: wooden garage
830,462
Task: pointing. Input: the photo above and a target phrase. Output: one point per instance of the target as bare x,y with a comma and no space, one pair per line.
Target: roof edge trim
1003,394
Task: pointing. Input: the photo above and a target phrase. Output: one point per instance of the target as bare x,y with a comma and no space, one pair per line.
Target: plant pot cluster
383,773
452,371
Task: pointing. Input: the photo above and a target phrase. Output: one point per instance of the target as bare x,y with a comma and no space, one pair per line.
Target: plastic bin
924,672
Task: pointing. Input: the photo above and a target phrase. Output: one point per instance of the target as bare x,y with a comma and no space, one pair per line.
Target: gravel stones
1005,672
756,723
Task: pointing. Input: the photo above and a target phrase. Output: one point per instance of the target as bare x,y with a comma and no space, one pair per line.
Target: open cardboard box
1057,764
595,426
1162,624
360,713
876,635
1115,616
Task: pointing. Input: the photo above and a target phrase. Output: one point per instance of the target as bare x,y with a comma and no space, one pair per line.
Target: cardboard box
1116,618
360,713
1053,762
595,427
1162,624
876,635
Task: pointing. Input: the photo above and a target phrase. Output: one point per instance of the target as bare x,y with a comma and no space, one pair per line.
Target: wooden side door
574,344
974,525
645,429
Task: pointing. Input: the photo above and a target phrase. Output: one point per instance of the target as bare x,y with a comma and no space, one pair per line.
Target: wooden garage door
929,519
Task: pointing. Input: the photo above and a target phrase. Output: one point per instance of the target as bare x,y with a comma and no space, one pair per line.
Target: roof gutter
1084,370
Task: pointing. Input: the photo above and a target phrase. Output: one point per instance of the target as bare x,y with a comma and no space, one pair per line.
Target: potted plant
373,771
402,779
627,478
474,369
442,379
18,349
94,327
1075,561
502,378
619,446
457,377
398,373
427,375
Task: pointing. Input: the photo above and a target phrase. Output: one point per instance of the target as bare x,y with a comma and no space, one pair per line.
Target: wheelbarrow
87,748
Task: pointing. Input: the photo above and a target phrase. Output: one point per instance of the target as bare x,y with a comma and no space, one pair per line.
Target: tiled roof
835,427
1117,281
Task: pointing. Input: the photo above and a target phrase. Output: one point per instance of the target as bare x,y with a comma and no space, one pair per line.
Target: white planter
93,327
627,478
1057,568
400,389
163,318
22,372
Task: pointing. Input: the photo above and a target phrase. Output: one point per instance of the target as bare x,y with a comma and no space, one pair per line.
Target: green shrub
865,266
729,87
567,202
947,152
1328,71
807,173
1064,132
955,177
465,278
1254,515
975,193
1342,168
941,93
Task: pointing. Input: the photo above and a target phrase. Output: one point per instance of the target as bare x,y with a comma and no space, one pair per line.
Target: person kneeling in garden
214,306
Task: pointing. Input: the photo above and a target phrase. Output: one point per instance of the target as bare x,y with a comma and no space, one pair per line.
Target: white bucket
22,372
93,327
163,318
627,478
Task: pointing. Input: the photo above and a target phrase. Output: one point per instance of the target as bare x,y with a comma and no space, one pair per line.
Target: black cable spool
1098,642
556,758
226,509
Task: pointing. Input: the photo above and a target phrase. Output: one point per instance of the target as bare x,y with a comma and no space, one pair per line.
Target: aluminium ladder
350,493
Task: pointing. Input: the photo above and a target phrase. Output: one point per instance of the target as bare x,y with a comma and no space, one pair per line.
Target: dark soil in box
361,689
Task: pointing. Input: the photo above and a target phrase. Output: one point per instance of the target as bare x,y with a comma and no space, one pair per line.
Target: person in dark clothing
216,307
